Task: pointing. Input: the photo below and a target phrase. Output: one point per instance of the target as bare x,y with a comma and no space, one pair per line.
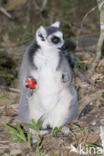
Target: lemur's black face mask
68,45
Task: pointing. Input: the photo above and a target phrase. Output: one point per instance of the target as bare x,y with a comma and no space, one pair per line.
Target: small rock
34,140
41,132
65,131
35,136
15,152
5,154
94,123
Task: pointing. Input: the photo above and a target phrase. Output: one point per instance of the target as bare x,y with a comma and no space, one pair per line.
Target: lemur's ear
56,24
41,34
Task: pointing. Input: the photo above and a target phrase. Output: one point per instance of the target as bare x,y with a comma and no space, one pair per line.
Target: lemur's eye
55,39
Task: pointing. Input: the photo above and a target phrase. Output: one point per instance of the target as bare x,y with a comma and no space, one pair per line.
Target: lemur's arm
27,82
71,58
64,69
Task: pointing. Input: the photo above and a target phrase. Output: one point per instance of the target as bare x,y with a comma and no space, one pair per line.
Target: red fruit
30,83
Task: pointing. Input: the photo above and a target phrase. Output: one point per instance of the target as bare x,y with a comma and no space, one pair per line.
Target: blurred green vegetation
8,68
1,1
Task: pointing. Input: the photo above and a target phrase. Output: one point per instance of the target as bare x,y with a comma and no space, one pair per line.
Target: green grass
56,130
35,125
80,65
102,100
19,135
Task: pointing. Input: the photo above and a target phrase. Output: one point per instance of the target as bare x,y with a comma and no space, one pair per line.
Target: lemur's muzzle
65,46
68,45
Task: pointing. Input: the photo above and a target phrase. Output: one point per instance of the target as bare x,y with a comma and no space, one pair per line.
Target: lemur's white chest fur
48,78
47,57
47,74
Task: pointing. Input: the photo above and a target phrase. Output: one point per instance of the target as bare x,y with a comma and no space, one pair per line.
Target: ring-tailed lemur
55,97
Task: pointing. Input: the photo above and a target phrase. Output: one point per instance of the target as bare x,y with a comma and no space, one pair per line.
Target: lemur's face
50,37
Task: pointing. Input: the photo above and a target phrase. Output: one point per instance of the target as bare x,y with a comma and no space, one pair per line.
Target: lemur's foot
65,131
35,135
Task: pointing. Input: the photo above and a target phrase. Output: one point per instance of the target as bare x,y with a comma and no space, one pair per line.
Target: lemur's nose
68,45
65,46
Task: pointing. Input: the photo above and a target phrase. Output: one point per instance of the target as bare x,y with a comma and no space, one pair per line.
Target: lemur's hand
65,77
30,83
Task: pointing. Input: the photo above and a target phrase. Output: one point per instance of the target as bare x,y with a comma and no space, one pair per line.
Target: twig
83,76
14,90
3,141
28,17
42,6
87,15
99,44
11,89
98,55
85,100
2,10
36,5
100,41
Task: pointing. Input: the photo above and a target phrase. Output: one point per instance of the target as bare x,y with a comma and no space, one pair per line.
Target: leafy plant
18,134
87,130
35,125
102,100
8,69
80,65
102,97
7,77
56,130
71,133
38,152
77,127
5,95
88,145
78,88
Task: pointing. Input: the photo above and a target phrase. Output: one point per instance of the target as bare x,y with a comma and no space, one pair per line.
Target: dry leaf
8,111
100,68
92,139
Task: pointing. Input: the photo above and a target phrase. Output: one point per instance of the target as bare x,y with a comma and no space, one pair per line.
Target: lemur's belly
49,86
48,78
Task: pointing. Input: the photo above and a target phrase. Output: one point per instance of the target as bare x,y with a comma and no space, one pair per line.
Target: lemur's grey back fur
31,52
